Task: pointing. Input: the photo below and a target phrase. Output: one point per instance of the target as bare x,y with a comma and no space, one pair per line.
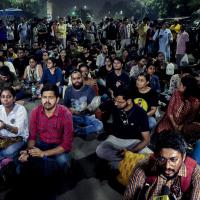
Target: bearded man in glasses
168,174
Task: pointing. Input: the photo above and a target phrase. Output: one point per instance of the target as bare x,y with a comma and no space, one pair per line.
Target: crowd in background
93,64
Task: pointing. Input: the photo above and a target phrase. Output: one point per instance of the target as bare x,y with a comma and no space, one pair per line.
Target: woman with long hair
182,109
146,97
64,63
33,72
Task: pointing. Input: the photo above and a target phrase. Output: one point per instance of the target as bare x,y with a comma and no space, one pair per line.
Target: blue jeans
86,124
12,150
47,166
196,152
152,122
52,163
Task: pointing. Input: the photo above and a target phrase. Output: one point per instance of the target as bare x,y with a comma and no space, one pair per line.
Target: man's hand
121,153
180,127
36,152
23,156
2,125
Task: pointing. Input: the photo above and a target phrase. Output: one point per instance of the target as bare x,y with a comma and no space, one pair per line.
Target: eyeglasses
119,102
161,160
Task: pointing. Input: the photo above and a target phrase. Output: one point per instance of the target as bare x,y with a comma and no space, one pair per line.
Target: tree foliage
173,8
151,8
30,6
84,14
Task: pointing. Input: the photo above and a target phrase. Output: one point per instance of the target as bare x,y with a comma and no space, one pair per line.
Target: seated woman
8,79
146,98
154,82
13,124
4,61
33,73
64,63
52,75
182,109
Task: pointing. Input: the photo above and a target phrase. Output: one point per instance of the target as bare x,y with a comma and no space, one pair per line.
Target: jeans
196,152
125,43
86,124
62,42
47,166
152,122
109,148
12,150
178,59
52,163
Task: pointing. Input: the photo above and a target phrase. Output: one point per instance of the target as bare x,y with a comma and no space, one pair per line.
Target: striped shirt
57,129
138,179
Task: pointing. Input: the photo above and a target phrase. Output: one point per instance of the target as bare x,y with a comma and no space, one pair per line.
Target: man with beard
51,134
79,98
20,62
101,57
168,174
130,130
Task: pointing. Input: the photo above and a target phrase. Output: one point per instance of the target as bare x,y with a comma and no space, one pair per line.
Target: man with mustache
51,134
170,168
130,130
78,98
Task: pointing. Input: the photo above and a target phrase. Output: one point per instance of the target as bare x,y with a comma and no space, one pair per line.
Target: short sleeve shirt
130,125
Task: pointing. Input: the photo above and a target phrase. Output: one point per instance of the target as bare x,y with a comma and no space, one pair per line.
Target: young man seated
169,174
130,130
79,98
51,134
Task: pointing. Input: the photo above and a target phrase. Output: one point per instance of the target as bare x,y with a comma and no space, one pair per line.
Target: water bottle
33,90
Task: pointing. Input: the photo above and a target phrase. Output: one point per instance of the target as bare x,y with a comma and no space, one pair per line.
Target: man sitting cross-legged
130,130
80,99
51,133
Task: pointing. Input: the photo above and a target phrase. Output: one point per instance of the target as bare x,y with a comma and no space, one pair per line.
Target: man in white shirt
165,38
101,57
13,124
181,47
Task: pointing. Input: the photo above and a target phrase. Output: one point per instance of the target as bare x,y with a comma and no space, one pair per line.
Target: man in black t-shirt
117,78
130,130
20,62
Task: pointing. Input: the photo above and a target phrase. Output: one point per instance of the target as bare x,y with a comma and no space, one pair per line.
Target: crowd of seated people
78,82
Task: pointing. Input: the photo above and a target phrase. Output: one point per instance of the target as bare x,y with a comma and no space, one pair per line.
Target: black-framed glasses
163,160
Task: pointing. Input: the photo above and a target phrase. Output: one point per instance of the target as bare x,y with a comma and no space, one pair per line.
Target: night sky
94,5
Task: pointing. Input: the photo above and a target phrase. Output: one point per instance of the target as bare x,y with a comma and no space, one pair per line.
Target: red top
57,129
